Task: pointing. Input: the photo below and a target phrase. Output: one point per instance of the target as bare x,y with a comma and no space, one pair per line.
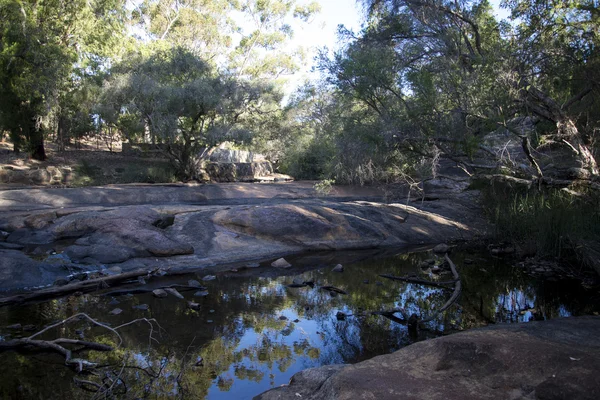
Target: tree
41,42
556,68
182,103
442,74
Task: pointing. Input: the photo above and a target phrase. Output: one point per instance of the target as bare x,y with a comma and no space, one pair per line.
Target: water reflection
253,333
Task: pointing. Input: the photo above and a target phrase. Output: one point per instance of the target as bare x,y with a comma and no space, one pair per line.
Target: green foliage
324,187
42,45
182,103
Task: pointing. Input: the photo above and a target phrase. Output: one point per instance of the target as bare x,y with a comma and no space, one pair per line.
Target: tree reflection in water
253,333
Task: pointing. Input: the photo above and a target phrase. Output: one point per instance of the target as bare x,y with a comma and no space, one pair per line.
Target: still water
252,331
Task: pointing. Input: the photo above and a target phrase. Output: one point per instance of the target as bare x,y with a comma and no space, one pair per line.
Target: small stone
141,280
159,293
209,321
283,318
209,278
174,292
233,270
193,306
296,320
114,270
211,311
3,235
281,263
441,248
201,293
199,362
116,311
143,307
113,302
436,270
194,283
338,268
14,326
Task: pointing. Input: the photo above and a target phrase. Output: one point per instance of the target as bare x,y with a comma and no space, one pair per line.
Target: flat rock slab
177,227
556,359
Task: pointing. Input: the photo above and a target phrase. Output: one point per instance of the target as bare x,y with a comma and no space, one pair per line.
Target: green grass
545,223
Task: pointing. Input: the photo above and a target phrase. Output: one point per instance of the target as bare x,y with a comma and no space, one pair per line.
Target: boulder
281,263
338,268
238,172
19,271
40,177
556,359
441,248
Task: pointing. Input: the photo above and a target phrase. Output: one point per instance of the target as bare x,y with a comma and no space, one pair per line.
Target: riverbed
255,326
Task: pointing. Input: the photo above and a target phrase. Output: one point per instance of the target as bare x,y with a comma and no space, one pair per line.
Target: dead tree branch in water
453,298
85,286
57,345
418,281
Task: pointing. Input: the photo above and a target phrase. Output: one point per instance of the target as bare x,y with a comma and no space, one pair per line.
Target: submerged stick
419,281
455,294
85,286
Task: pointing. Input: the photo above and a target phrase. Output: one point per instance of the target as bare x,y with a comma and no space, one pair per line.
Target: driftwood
120,292
57,345
333,289
453,298
85,286
419,281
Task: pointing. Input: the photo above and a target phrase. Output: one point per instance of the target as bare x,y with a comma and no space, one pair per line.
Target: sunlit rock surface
193,226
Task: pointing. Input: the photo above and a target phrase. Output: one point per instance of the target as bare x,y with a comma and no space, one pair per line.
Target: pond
252,331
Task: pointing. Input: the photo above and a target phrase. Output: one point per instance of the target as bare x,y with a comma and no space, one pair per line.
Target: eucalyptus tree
555,72
182,102
425,71
443,73
42,43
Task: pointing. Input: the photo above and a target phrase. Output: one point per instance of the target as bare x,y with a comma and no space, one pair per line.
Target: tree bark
35,137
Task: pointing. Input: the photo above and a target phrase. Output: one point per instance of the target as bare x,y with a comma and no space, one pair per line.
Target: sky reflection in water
253,333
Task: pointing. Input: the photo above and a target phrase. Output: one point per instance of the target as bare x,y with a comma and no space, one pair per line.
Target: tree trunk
568,132
36,143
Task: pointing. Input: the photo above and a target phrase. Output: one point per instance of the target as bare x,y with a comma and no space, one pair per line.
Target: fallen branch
333,289
453,298
56,345
85,286
419,281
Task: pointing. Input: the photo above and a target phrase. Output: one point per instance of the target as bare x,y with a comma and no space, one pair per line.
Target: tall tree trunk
36,142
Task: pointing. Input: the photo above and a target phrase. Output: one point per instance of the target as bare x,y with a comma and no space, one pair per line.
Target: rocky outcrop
238,172
102,236
557,359
199,226
17,271
342,226
47,176
221,164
